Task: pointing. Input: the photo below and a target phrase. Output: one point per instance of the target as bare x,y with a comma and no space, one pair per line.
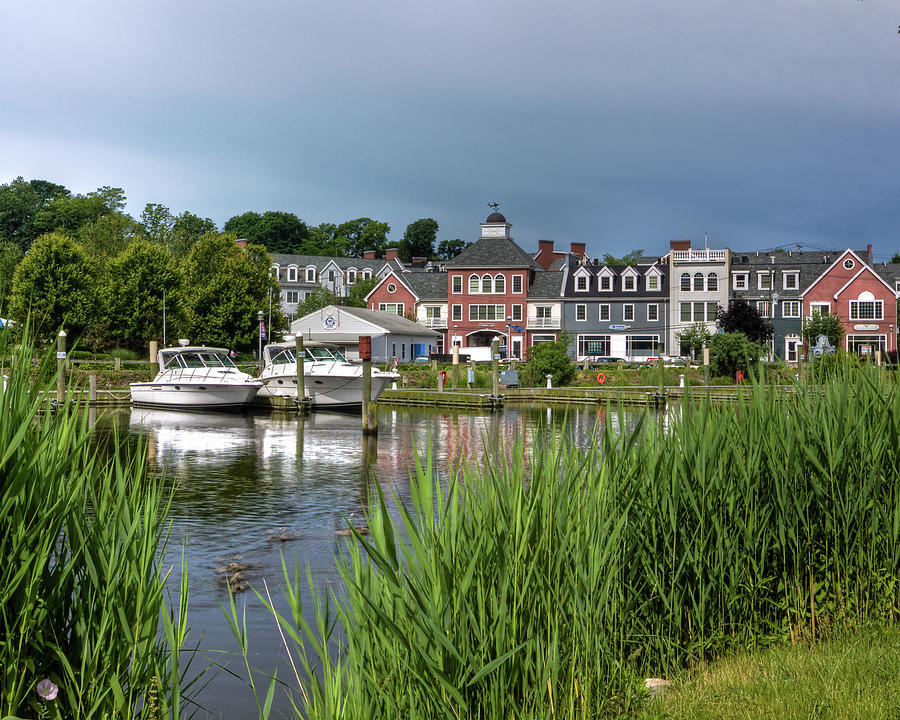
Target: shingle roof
391,322
427,285
320,261
546,284
617,291
494,252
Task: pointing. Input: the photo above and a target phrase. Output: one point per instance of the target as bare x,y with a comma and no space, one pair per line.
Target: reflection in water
251,488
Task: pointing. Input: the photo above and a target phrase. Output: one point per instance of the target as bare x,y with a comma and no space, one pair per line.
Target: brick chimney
392,253
241,242
419,262
370,255
545,255
680,244
579,249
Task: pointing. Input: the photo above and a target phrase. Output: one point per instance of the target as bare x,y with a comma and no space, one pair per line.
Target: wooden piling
495,367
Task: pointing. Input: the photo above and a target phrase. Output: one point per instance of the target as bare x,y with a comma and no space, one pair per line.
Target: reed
83,601
549,585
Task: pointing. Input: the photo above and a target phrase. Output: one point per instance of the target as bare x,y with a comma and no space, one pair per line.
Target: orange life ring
601,378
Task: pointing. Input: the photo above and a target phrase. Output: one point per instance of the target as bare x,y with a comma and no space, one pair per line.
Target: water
250,488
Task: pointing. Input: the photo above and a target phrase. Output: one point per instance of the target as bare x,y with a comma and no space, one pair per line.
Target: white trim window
685,282
790,281
698,282
292,296
628,283
581,283
396,308
580,313
865,308
764,280
366,274
351,277
653,282
628,313
474,285
712,282
823,308
310,274
762,307
792,345
604,313
487,284
790,308
292,274
605,283
517,283
456,312
500,284
487,312
652,312
739,281
516,312
456,284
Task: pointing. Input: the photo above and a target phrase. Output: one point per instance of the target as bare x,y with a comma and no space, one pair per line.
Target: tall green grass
82,592
549,585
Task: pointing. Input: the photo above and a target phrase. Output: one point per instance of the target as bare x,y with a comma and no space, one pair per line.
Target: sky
620,124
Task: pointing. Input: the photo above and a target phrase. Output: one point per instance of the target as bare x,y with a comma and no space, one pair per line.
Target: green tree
549,358
69,213
186,230
449,249
279,232
631,258
356,297
694,338
742,317
730,352
109,235
20,203
132,294
828,325
324,240
363,234
10,256
316,301
54,285
156,223
224,287
418,240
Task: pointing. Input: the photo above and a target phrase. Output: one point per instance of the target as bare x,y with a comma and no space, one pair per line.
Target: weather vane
494,206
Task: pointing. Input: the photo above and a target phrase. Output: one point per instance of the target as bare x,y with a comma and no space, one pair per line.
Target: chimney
869,253
545,256
241,242
419,261
680,244
392,253
579,249
370,255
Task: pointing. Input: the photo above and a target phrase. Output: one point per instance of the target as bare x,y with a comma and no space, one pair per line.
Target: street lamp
508,337
454,339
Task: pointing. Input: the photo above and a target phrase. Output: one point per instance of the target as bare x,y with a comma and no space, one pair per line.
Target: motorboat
329,379
196,378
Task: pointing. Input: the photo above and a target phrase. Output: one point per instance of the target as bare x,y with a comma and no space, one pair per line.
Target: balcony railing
698,255
435,322
543,323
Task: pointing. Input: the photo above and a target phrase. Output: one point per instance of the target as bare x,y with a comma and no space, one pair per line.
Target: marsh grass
83,597
550,585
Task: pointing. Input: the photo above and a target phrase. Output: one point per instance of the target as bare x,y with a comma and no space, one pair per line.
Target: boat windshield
198,360
284,357
216,360
326,354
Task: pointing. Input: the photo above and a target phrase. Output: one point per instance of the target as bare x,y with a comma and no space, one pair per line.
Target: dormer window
653,282
310,274
292,274
351,277
606,282
628,282
581,283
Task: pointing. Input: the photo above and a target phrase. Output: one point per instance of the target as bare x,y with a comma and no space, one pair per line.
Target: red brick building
865,303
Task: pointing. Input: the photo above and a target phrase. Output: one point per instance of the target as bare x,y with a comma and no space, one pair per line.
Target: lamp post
508,337
453,339
259,317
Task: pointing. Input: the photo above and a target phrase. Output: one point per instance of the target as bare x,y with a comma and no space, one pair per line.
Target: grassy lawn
853,676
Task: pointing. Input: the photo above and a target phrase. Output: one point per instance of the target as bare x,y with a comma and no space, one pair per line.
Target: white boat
196,378
330,381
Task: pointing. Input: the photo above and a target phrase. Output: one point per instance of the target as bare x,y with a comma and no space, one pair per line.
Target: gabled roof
494,253
392,276
389,321
427,286
547,284
840,258
322,261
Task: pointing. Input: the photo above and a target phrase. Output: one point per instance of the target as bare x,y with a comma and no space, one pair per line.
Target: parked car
603,360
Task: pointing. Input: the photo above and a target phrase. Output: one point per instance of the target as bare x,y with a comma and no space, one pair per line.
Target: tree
224,287
730,352
363,234
449,249
157,223
895,258
54,285
20,202
356,297
316,301
279,232
828,325
69,213
418,240
742,317
109,235
10,256
631,258
549,358
186,230
132,294
323,240
694,338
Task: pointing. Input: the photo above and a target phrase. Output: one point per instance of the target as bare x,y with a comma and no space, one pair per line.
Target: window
685,312
865,344
517,283
331,276
604,313
366,274
581,312
685,282
866,309
487,284
762,307
791,348
819,307
592,345
653,282
698,282
712,282
653,312
790,308
351,277
433,314
457,312
537,339
605,283
712,310
396,308
628,312
310,274
487,312
849,264
474,284
581,283
698,311
292,274
790,281
740,281
628,282
516,312
456,281
292,296
764,281
641,345
391,288
499,284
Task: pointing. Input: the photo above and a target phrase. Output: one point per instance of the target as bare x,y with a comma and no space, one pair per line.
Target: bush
548,358
124,354
730,352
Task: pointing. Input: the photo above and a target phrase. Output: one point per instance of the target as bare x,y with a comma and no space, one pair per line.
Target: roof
495,217
389,321
320,261
546,285
427,285
494,253
640,291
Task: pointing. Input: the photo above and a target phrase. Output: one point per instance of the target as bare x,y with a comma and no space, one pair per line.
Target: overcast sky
622,124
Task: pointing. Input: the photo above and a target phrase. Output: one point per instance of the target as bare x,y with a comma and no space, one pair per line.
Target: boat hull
327,391
194,396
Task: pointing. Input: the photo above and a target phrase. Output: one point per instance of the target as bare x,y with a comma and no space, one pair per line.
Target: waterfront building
419,296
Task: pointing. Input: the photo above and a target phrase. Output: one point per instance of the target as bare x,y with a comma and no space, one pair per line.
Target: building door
792,348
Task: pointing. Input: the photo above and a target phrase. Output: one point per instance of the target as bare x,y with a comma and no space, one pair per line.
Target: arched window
685,281
486,284
474,284
712,282
698,281
499,284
